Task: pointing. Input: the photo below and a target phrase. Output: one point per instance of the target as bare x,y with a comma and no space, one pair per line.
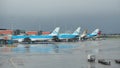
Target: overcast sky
67,14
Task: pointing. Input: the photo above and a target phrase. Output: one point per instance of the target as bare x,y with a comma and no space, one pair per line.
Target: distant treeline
117,35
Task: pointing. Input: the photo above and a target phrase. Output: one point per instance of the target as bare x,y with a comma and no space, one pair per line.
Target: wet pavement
60,55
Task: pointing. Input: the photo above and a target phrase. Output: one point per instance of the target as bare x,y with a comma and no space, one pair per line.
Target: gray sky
68,14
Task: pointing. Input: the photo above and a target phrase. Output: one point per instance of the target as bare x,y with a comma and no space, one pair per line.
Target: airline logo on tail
77,31
55,32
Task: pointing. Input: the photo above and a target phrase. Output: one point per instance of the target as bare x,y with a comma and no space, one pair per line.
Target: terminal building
5,36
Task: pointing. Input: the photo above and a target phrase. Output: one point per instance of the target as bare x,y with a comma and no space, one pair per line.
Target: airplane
92,36
49,37
32,38
83,35
18,38
70,37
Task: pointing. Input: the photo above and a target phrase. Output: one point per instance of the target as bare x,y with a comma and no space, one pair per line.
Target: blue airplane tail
77,31
55,32
95,32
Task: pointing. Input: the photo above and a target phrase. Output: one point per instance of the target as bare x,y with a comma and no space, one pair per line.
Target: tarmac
60,55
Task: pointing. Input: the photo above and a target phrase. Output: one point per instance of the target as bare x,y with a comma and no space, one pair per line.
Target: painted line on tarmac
13,64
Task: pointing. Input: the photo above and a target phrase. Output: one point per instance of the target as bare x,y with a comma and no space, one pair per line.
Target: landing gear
55,39
28,40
